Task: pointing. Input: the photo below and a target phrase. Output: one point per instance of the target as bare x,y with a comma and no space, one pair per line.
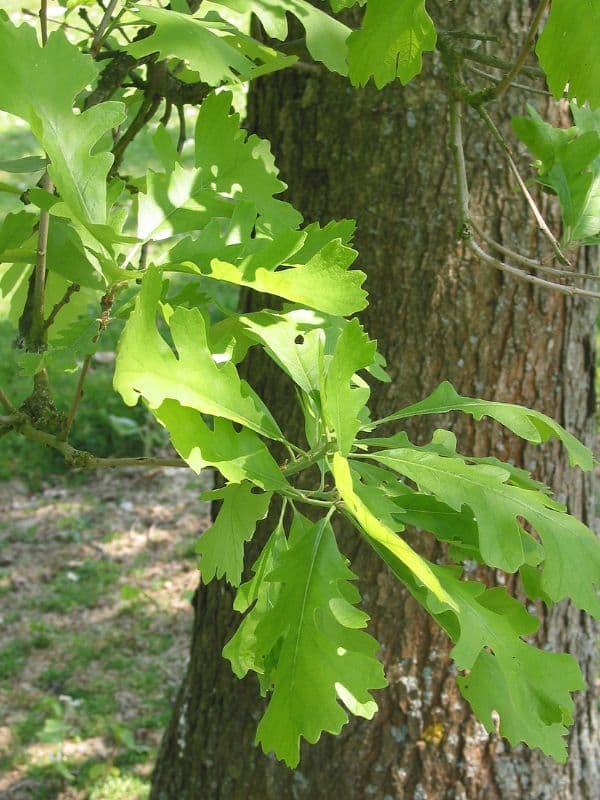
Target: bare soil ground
95,587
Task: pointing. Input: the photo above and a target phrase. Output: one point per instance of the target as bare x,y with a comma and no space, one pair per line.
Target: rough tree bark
383,158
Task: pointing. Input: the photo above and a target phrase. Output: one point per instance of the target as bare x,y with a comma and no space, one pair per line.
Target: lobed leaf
259,595
322,654
568,163
146,366
384,537
221,547
569,50
503,671
239,456
342,403
390,43
526,423
571,561
43,85
325,36
217,51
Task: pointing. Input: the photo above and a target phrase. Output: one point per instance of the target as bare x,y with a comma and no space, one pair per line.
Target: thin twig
530,263
97,40
525,50
86,18
466,223
522,87
78,394
524,276
145,113
497,63
164,120
527,194
43,15
106,302
71,289
61,23
478,37
182,130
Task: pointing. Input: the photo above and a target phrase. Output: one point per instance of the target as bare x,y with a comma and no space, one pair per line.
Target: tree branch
528,44
43,15
103,25
467,226
527,194
71,289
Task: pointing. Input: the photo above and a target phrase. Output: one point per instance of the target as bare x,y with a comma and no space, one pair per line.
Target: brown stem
43,15
182,129
104,22
146,111
78,394
106,302
71,289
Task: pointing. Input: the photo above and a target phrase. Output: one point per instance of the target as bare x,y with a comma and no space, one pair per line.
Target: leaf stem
6,404
106,302
37,330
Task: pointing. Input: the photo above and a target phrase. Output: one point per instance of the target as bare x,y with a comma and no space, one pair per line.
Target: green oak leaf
147,366
342,402
240,166
221,547
44,82
323,654
309,267
293,340
526,423
391,42
259,595
571,561
325,36
214,49
568,163
325,282
235,180
238,456
569,50
503,671
25,164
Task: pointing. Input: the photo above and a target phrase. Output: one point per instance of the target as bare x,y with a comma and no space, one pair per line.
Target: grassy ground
95,588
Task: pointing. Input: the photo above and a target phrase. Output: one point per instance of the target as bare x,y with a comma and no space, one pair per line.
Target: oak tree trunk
383,158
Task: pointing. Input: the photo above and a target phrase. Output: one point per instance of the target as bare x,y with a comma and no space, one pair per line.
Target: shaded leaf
390,43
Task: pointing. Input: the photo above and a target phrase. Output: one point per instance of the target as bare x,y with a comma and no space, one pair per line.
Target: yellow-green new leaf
382,535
